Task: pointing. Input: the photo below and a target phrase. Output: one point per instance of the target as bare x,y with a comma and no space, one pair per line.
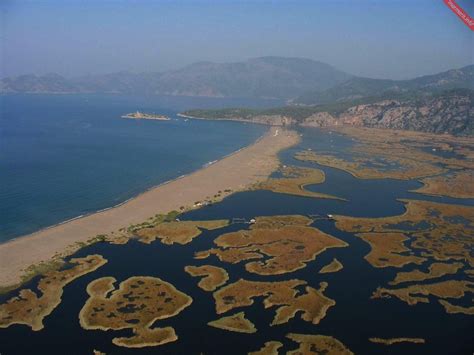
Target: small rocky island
146,116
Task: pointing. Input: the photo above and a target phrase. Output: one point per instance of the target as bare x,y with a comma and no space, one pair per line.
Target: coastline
131,198
234,172
241,120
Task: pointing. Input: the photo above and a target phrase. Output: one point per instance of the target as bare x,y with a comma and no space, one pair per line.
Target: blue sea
63,156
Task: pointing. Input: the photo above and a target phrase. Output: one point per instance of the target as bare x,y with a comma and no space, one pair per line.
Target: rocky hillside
447,112
50,83
443,114
269,77
358,87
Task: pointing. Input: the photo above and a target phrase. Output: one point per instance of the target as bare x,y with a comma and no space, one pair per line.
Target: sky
395,39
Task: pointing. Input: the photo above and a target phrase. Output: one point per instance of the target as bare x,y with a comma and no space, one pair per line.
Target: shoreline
235,171
241,120
204,166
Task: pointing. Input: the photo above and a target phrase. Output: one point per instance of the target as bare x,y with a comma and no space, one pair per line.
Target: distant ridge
450,111
299,80
270,77
358,87
264,77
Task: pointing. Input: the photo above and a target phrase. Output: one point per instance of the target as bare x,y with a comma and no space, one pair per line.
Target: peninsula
449,111
235,172
145,116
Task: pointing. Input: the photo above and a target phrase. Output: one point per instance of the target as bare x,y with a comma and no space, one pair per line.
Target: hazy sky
385,38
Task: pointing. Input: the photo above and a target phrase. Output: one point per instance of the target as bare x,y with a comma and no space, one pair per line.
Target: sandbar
235,172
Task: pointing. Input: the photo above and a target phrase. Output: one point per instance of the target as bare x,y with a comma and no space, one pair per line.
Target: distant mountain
121,82
358,87
450,111
303,81
271,77
49,83
260,77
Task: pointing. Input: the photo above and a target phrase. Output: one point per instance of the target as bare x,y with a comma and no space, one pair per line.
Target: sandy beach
234,172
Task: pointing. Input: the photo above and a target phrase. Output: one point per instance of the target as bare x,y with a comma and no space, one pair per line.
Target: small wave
209,163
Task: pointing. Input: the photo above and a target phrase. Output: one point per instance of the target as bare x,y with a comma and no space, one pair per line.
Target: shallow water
353,319
62,156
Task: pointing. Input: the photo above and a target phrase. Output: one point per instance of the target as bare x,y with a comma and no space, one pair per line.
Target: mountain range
358,87
302,81
318,94
265,77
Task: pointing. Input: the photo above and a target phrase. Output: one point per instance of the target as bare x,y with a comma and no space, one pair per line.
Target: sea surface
63,156
353,319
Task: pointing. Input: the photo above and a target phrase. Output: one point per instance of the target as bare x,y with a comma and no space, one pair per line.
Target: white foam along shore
234,172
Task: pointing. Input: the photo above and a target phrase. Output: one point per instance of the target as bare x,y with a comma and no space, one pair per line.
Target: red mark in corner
468,20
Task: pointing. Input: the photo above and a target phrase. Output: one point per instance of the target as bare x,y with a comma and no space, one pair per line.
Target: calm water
65,156
353,319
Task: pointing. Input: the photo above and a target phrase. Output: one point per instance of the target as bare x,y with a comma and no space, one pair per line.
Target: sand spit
235,172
